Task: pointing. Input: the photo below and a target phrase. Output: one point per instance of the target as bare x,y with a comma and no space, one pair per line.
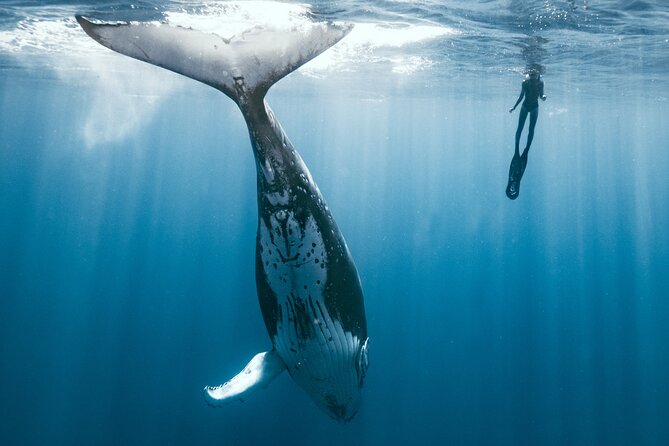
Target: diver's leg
522,116
534,114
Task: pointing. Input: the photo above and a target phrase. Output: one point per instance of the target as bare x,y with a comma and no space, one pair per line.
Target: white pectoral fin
257,374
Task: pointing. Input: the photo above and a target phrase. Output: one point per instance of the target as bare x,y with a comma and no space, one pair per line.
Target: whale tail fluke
257,374
242,66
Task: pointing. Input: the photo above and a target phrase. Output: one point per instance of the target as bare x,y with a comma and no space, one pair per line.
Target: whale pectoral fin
257,374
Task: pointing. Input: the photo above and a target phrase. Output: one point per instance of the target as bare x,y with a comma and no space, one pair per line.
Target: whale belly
324,359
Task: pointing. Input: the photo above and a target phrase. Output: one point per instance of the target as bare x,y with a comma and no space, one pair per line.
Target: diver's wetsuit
532,90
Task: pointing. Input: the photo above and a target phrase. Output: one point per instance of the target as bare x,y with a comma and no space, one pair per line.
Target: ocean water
128,219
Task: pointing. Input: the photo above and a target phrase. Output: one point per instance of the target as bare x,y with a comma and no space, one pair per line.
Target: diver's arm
520,98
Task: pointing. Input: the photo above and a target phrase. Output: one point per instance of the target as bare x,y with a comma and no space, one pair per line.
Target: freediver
532,90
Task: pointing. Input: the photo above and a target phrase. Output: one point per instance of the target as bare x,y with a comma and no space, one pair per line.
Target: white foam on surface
361,46
54,30
368,44
39,34
230,18
51,38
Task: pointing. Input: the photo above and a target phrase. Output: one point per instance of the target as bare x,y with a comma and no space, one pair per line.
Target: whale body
308,287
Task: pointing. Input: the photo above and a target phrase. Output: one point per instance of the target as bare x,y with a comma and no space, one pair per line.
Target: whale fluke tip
88,27
83,21
209,396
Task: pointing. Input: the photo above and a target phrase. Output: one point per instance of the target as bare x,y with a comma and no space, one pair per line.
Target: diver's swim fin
516,171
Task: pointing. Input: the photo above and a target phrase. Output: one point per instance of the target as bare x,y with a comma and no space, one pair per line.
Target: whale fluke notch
240,65
257,374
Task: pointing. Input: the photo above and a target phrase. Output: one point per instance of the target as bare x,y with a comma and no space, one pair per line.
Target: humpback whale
308,287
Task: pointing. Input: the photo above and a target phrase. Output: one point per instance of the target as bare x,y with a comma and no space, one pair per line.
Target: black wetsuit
532,90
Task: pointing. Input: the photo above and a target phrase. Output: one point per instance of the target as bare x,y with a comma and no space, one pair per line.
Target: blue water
128,217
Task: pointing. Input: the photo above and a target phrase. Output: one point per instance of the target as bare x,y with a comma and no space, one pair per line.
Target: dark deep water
128,218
